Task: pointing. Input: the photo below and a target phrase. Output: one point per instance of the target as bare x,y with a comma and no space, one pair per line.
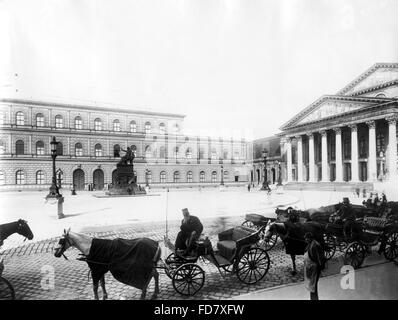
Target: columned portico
299,158
325,176
372,167
392,138
311,156
354,153
339,156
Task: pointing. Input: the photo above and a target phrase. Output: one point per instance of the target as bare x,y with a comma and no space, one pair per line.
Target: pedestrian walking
314,263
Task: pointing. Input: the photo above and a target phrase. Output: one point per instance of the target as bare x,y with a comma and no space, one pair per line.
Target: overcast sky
232,67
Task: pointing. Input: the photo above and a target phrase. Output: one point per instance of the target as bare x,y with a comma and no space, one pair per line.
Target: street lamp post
146,177
222,175
54,190
265,185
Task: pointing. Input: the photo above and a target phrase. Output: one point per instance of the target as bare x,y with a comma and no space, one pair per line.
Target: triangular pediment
377,75
331,106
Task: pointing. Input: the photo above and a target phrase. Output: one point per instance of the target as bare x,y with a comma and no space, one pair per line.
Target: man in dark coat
314,263
347,216
191,229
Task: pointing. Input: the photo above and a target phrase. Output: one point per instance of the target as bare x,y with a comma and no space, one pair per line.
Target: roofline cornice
90,108
375,88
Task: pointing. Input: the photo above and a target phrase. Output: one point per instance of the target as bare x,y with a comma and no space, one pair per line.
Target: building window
332,147
189,176
380,95
214,176
213,154
347,148
2,178
380,143
78,149
201,153
98,150
236,155
149,176
59,121
162,128
40,177
2,147
20,177
163,177
162,152
202,176
148,152
19,147
147,127
176,129
116,151
20,118
40,148
176,153
2,118
226,176
225,154
78,123
133,126
116,125
188,153
39,120
363,148
176,177
98,124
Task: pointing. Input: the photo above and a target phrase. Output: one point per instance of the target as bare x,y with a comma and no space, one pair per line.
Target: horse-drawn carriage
237,252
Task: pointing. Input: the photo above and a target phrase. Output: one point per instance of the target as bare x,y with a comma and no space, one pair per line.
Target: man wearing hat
191,229
347,216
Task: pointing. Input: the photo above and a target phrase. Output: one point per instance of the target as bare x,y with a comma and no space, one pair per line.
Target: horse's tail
157,255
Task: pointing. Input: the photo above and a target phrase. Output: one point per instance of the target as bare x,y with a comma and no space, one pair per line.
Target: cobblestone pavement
25,267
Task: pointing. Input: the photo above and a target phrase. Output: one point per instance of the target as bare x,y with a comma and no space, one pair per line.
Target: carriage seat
231,239
375,225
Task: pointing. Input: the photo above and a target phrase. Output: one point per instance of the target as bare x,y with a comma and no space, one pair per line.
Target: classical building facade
350,136
92,140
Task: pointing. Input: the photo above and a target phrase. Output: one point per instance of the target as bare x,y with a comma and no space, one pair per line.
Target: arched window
214,176
163,177
213,153
40,148
380,95
20,177
98,150
2,178
148,152
176,152
39,120
162,128
133,126
176,129
78,149
116,125
202,176
162,152
59,121
20,118
78,122
176,176
189,176
188,153
98,124
2,147
147,127
19,147
116,151
40,177
60,148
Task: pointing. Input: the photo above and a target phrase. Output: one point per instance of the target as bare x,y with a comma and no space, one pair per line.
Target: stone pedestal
125,182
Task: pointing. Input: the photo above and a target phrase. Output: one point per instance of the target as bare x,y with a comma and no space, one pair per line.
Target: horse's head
63,244
273,228
24,230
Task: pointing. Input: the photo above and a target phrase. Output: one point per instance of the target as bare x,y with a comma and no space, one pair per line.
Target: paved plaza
27,264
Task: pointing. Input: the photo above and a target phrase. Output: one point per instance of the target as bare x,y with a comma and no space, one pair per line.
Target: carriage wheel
267,244
391,249
6,290
355,255
330,248
188,279
172,263
253,265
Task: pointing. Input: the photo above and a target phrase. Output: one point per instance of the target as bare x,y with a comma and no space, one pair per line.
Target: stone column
325,176
354,153
392,146
339,156
289,159
311,157
372,167
299,159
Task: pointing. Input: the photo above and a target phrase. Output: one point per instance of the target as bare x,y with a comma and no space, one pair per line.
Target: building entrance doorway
98,179
78,179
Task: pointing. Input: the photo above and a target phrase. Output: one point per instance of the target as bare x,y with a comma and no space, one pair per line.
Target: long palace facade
92,140
350,136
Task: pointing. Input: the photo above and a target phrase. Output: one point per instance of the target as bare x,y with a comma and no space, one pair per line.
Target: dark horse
21,227
132,262
292,235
